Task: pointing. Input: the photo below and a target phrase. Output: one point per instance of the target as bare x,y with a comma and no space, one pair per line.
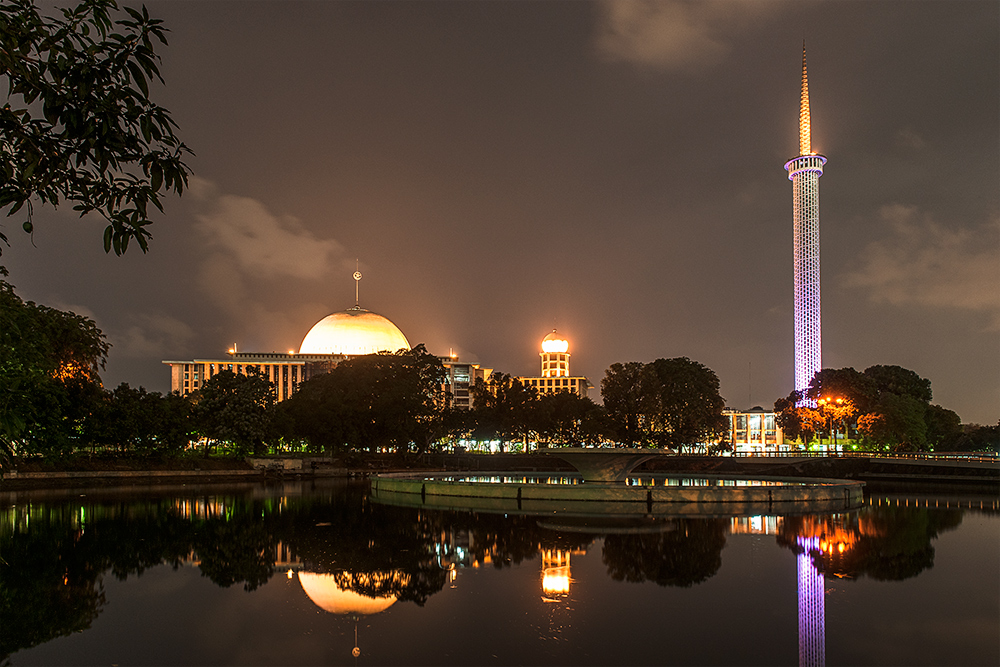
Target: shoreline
872,470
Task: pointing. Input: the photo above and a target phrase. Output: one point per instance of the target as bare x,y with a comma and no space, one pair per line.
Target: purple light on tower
804,172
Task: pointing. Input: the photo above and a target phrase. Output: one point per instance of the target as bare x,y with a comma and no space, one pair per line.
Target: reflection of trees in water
54,559
884,543
504,541
240,550
55,555
45,590
687,555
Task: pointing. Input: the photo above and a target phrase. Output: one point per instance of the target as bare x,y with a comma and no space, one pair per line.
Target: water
307,574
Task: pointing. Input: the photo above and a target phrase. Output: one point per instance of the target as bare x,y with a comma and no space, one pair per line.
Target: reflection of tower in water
812,608
555,573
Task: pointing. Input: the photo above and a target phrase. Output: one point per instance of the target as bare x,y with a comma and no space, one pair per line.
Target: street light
823,402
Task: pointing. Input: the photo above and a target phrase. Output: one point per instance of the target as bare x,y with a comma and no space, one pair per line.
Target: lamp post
824,402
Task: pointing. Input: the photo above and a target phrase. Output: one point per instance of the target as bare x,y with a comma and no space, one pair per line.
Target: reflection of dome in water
323,590
353,331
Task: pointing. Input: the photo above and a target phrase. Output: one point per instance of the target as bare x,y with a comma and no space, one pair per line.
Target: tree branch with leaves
79,125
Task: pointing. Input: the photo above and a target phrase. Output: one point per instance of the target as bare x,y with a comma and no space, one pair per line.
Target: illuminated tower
555,375
555,356
804,172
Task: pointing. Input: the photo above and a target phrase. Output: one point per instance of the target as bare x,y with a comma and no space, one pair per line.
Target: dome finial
357,281
805,141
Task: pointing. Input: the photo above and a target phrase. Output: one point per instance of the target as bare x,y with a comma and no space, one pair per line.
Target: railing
978,457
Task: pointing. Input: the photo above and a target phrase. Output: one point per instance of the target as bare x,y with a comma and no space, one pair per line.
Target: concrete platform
709,495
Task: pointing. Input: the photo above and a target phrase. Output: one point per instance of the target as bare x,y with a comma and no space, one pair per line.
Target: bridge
605,464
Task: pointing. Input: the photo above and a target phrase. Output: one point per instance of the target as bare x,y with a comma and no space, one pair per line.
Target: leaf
138,77
156,175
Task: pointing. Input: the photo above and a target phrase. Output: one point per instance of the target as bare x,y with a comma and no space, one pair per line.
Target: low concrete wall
784,494
127,474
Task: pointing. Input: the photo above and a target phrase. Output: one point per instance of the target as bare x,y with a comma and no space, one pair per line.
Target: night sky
611,170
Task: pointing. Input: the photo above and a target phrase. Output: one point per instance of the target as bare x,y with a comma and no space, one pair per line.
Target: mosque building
555,375
338,336
335,338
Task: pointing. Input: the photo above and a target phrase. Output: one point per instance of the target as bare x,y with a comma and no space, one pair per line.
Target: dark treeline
52,404
883,407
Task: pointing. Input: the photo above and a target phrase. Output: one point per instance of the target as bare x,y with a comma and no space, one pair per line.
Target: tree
890,406
622,394
944,428
387,400
49,365
899,381
504,408
682,403
234,408
845,383
665,403
564,418
978,438
134,421
85,130
836,411
896,422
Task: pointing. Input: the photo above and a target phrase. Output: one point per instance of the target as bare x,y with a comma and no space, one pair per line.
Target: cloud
672,34
250,256
82,311
907,137
924,263
259,242
151,336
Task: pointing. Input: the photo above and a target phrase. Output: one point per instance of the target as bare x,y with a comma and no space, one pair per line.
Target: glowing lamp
555,345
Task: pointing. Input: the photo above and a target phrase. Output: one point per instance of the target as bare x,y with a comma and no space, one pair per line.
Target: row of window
276,373
550,382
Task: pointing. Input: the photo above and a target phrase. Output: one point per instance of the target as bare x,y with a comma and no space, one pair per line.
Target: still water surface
305,573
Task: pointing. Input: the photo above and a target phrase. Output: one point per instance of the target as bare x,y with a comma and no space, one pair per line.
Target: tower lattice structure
804,172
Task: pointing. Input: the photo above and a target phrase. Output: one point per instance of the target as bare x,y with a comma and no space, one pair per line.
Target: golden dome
353,331
555,343
323,590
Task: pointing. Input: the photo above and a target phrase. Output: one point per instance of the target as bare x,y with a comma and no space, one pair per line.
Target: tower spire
805,141
804,172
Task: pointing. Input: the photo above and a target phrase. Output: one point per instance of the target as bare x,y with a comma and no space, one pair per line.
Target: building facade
755,431
460,378
286,371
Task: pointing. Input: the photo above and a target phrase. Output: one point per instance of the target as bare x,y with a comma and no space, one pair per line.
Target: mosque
356,332
335,338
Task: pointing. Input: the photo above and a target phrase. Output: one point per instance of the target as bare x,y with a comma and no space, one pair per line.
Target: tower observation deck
804,172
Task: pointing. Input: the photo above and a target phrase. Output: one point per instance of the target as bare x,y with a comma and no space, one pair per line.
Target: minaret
804,172
555,356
